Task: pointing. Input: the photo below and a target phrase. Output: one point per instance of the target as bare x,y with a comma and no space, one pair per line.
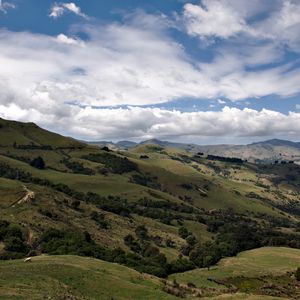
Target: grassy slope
253,263
30,215
221,190
79,278
59,277
170,173
27,133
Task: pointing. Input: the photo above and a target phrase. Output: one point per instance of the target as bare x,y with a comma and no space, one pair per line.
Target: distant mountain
121,145
277,142
264,151
126,144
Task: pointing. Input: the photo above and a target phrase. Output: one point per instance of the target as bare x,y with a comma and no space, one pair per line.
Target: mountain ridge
263,151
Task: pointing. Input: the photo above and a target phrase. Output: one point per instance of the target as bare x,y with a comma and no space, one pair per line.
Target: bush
15,244
142,232
38,163
183,232
13,239
100,220
75,204
77,167
116,164
181,265
297,274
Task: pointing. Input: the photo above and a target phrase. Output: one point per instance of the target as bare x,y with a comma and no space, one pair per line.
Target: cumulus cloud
138,63
62,38
213,18
125,64
277,21
144,123
58,9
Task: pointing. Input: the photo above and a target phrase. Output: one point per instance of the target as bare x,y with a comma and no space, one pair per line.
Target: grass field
64,277
80,278
253,263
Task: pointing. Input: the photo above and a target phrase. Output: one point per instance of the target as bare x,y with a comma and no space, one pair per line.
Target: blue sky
209,71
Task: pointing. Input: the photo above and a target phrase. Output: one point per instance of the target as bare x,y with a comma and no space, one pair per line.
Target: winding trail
30,195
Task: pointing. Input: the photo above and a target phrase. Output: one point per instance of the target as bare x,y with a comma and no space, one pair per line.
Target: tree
38,163
142,232
191,240
297,274
183,232
207,261
14,244
128,239
75,204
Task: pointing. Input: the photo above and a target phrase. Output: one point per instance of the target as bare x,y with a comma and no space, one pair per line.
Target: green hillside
156,210
265,271
30,134
73,277
80,278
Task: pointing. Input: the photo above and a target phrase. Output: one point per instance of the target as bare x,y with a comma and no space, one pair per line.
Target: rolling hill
80,278
260,152
154,209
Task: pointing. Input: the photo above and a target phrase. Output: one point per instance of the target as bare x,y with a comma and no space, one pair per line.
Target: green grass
199,230
56,277
242,296
29,133
253,263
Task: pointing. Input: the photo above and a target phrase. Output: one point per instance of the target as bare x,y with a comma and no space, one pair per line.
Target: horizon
202,72
170,141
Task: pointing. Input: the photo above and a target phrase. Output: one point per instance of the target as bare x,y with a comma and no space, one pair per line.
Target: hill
266,272
77,278
19,134
158,210
261,152
80,278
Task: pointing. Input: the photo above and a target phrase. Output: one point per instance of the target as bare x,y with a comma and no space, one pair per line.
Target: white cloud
62,38
138,63
58,9
213,18
144,123
124,64
227,19
4,6
283,25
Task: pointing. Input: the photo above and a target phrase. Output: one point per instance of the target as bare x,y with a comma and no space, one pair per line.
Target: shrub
77,167
15,244
100,220
38,163
183,232
297,274
142,232
115,163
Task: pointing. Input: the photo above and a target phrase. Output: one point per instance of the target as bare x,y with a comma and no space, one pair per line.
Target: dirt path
30,195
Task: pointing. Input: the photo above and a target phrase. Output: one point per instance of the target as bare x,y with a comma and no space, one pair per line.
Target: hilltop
261,152
19,134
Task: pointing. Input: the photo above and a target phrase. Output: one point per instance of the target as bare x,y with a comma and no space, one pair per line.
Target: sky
206,72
